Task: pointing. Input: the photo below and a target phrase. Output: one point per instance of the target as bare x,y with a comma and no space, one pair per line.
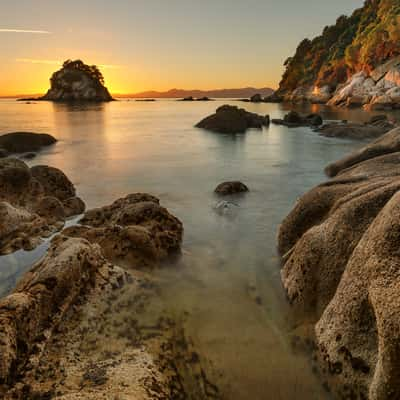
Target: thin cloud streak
57,62
24,31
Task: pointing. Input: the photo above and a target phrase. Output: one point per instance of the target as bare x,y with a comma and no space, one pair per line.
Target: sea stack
76,81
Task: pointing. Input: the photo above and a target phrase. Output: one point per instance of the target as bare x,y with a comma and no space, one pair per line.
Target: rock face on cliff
354,62
76,81
34,203
341,270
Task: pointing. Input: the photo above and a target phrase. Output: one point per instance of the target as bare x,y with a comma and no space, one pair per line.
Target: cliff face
76,81
359,44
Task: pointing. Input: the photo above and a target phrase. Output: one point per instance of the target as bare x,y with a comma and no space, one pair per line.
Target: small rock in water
232,187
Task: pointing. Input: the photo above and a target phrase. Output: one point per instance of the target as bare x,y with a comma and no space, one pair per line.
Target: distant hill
222,93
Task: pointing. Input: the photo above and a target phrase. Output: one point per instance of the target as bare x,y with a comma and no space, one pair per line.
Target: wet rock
294,120
34,202
231,119
136,231
21,142
340,257
231,187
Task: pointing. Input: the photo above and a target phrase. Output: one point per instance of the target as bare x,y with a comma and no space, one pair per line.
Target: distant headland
195,93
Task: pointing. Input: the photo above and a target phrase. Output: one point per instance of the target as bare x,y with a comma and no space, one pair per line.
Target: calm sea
227,283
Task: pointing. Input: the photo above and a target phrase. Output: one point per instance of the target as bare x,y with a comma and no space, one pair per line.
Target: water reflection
228,281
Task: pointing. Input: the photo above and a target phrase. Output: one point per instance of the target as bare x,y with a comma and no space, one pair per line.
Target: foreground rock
134,231
34,203
376,127
340,254
21,142
231,119
76,81
80,326
232,187
295,120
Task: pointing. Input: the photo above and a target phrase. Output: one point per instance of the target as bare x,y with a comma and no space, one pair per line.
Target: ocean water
227,283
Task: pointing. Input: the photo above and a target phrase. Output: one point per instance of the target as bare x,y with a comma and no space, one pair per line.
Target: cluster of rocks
75,283
339,247
232,119
375,127
34,203
256,98
294,120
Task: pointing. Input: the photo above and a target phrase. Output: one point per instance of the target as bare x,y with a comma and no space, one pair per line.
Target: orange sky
157,44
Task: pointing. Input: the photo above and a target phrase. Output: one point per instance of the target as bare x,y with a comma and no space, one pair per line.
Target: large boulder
232,119
34,203
134,231
21,142
340,270
76,81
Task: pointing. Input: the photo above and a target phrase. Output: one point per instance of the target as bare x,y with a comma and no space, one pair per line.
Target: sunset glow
200,45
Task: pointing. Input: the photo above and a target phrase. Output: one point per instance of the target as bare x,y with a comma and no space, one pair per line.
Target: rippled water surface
227,284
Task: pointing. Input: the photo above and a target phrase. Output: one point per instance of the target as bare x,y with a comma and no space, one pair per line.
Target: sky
158,44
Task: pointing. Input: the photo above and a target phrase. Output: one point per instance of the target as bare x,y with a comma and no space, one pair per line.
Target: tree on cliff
366,39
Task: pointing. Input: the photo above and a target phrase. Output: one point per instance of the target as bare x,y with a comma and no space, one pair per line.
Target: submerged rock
231,187
34,203
295,120
340,255
22,142
76,81
231,119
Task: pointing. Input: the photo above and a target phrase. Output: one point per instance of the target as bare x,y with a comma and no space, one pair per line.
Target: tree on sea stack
77,81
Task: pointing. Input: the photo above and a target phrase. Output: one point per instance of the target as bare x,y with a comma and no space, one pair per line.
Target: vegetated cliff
76,81
366,44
